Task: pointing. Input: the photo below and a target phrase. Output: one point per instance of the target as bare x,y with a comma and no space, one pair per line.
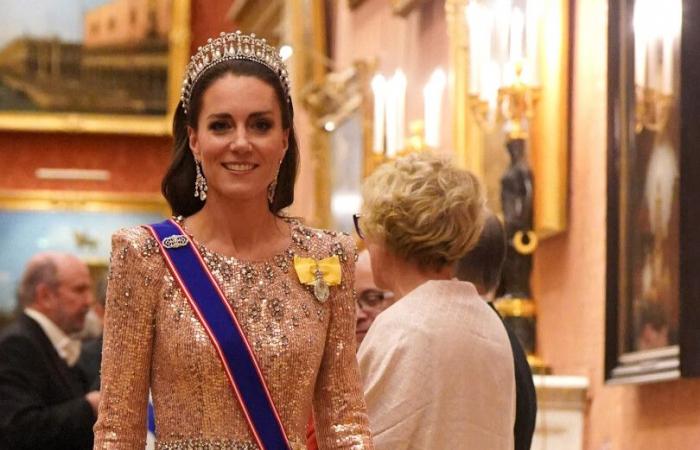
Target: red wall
135,163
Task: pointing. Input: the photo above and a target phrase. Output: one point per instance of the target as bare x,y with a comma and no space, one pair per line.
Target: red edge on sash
193,304
240,330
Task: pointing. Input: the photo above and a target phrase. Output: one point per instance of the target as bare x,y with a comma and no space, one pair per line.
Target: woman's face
239,137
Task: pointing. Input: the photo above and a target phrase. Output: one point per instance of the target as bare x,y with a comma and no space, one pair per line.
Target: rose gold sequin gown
305,349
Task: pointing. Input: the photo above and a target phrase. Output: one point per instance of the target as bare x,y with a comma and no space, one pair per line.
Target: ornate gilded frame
44,200
550,130
179,47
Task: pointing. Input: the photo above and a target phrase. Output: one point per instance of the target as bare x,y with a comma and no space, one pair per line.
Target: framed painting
80,223
652,294
110,66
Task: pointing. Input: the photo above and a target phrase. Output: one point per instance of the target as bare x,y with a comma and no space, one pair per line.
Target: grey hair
40,269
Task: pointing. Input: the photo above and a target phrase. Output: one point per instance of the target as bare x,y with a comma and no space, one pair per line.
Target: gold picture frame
103,119
550,128
78,222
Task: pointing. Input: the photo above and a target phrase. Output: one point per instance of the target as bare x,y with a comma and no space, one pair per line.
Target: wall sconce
504,80
389,133
656,30
503,93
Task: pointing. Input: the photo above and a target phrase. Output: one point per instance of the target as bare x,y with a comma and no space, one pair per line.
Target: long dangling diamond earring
271,192
200,183
273,186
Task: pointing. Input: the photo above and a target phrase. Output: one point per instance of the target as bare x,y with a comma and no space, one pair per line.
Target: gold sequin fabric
305,349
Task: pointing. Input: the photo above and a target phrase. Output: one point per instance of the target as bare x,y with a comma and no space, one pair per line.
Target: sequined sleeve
339,406
128,335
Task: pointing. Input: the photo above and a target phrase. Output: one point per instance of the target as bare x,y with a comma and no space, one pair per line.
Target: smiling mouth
239,167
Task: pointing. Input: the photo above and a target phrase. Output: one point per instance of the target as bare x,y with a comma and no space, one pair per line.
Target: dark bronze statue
516,201
514,294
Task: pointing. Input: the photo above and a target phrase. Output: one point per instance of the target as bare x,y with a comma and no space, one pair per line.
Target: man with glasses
370,299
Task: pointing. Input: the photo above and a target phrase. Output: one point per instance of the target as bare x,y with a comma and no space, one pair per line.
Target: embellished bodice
305,349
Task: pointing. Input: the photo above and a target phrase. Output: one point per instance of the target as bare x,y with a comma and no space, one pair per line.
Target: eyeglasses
356,221
371,298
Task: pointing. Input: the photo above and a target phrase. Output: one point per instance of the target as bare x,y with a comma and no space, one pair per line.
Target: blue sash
219,321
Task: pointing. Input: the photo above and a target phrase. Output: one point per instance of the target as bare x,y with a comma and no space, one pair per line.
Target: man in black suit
482,267
44,399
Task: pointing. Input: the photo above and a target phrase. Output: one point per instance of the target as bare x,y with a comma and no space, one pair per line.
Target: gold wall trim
550,137
515,307
45,200
178,54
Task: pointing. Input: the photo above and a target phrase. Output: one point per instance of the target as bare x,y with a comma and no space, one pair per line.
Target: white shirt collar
68,348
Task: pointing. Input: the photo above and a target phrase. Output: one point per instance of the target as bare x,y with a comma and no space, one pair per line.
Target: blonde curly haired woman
437,365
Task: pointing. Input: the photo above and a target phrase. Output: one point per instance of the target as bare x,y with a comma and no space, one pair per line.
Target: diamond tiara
229,46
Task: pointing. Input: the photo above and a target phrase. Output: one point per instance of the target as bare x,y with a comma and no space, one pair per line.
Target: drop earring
200,183
273,186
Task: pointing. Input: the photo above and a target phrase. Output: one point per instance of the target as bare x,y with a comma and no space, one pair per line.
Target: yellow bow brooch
319,273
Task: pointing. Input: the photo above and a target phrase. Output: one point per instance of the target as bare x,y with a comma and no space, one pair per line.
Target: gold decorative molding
562,391
550,137
515,307
45,200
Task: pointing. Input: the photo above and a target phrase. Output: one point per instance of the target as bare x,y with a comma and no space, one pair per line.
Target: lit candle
653,62
533,14
391,117
432,98
667,65
400,99
474,14
640,43
502,26
487,38
671,30
379,87
493,75
516,35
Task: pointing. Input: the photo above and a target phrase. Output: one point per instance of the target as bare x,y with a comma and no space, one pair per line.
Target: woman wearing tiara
237,318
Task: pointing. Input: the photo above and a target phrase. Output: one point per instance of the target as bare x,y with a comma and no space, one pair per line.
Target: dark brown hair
483,264
178,182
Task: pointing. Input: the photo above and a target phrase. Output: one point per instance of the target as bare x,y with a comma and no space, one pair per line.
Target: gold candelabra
651,109
515,106
514,109
415,142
